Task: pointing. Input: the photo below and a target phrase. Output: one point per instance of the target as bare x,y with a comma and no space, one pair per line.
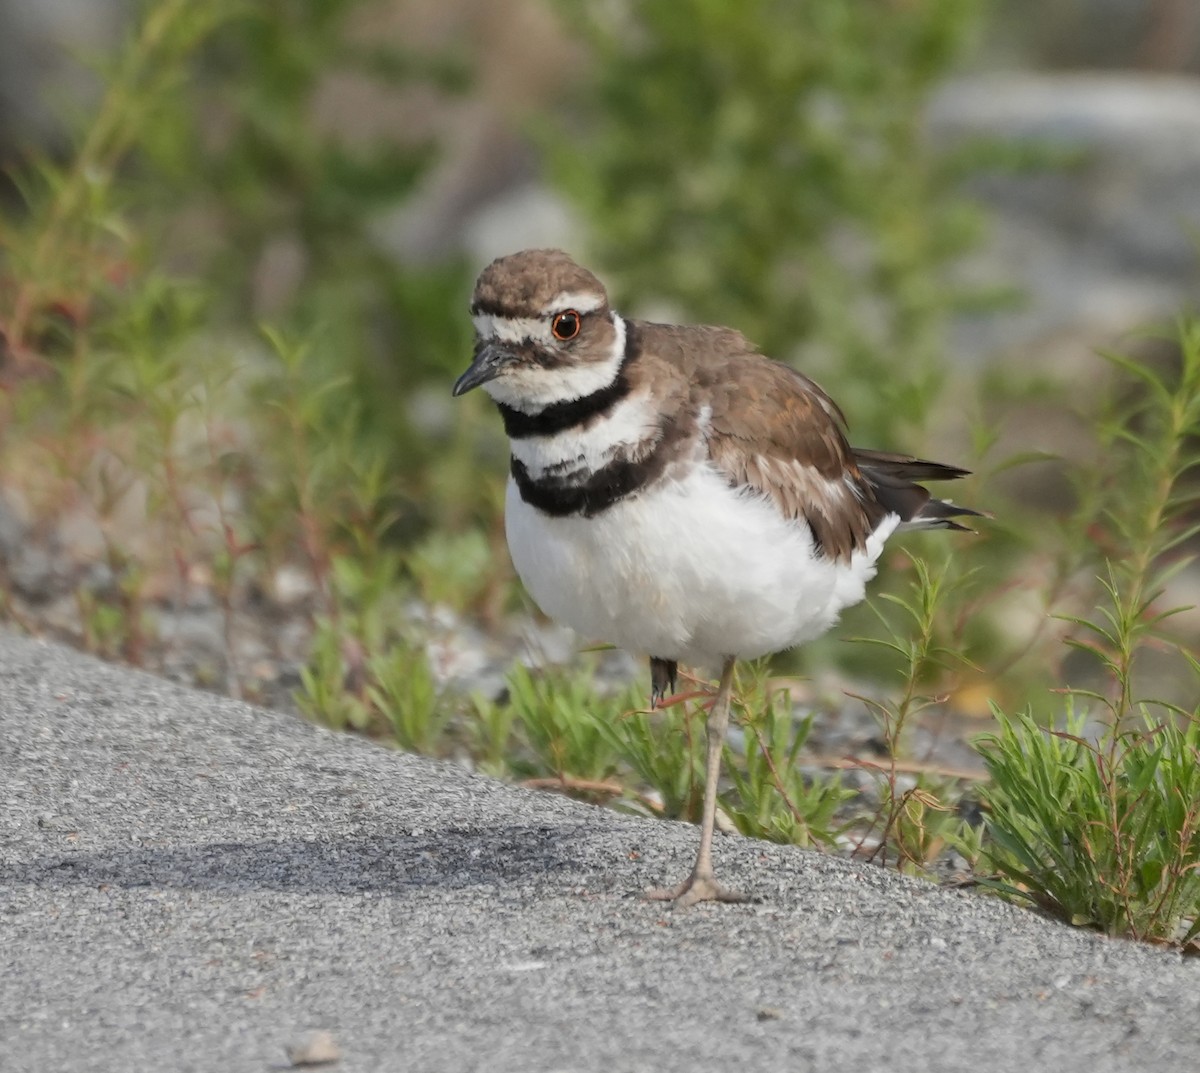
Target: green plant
773,797
1145,509
922,822
66,257
452,569
1100,822
284,179
389,690
131,388
664,749
561,716
490,733
912,823
98,394
407,696
367,669
327,692
1102,834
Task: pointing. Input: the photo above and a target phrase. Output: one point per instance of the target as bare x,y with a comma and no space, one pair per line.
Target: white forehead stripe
580,301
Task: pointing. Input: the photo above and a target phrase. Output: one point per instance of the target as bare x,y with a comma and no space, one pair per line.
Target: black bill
490,359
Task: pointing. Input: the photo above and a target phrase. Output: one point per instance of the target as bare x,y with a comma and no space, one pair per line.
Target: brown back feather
769,428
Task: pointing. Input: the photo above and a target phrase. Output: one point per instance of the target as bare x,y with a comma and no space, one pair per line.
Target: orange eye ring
566,325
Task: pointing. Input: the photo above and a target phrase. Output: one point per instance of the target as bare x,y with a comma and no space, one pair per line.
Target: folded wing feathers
773,429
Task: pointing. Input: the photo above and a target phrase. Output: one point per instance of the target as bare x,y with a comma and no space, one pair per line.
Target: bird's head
544,332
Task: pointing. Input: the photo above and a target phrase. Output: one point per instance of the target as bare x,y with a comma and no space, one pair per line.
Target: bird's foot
698,887
664,673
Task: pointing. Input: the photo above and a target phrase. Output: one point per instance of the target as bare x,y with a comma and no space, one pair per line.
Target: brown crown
522,284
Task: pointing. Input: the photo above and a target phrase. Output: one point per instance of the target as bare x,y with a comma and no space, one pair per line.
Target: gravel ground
187,883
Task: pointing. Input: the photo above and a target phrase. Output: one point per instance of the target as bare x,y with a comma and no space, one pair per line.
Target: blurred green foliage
763,165
280,183
205,196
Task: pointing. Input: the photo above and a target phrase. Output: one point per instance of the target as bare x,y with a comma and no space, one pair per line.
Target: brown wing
773,429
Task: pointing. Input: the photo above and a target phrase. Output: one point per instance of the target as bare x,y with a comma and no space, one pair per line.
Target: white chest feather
690,569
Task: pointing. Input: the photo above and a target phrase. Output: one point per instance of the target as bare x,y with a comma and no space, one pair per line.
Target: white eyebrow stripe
580,301
513,329
530,390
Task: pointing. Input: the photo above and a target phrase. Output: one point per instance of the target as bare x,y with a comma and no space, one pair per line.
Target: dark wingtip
907,467
941,514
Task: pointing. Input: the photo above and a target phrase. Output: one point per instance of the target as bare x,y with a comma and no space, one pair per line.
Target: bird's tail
893,478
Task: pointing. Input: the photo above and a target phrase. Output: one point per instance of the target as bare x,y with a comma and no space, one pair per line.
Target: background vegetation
221,392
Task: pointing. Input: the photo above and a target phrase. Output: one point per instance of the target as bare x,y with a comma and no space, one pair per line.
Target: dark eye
565,325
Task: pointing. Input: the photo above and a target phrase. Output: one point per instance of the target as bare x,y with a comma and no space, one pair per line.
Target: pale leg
701,885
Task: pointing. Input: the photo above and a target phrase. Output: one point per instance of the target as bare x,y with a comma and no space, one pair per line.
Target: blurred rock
41,77
199,634
1162,35
12,528
292,587
1098,246
528,216
522,56
313,1049
43,561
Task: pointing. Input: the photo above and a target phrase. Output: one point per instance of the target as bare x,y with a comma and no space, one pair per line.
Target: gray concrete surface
190,884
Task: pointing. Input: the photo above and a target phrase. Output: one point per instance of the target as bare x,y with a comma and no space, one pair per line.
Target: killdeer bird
674,492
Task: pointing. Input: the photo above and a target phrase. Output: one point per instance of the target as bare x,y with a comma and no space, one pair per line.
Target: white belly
691,570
